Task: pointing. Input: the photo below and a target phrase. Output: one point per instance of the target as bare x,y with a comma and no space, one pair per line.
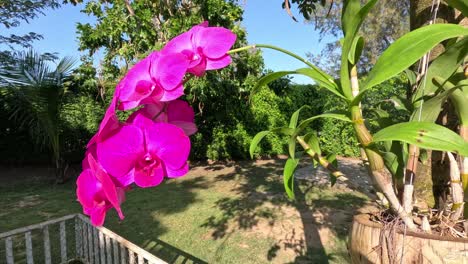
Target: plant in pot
392,153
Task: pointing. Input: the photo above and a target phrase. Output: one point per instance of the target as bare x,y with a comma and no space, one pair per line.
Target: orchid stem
266,46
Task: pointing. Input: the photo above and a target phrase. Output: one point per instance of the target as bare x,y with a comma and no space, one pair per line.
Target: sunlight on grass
232,214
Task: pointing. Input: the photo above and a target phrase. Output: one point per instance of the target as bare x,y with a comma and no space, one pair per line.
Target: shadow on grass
31,202
261,184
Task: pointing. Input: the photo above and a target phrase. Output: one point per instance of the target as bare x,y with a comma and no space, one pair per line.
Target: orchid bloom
145,152
97,193
156,78
153,143
205,47
177,112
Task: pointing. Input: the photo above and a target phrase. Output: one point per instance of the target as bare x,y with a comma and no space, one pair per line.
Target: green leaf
430,109
322,79
295,117
255,141
260,135
332,159
443,66
268,78
411,75
408,49
356,50
401,103
424,135
351,20
461,5
292,147
391,162
288,176
312,140
340,115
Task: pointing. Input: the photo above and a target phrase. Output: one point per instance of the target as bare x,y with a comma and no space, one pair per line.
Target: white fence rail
78,240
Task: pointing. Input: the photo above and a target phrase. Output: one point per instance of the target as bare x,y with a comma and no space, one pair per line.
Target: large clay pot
368,243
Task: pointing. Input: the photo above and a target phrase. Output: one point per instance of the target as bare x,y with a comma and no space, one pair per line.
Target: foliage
400,55
388,22
12,14
36,94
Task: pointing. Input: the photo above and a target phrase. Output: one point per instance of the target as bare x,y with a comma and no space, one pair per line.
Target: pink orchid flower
177,112
145,152
205,47
156,78
97,193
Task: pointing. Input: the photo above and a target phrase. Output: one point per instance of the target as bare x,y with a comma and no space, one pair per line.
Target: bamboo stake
425,226
457,191
464,169
411,169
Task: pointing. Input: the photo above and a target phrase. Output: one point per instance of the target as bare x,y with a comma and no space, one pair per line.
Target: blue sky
266,22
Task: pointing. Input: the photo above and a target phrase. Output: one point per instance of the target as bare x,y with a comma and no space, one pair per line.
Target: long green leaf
255,141
295,117
352,17
461,5
288,177
260,135
424,135
430,109
312,140
322,79
356,50
292,147
340,115
268,78
408,49
443,66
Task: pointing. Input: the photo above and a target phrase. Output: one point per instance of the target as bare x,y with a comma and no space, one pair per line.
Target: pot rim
363,219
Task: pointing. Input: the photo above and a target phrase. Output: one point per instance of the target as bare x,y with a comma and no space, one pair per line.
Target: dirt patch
301,230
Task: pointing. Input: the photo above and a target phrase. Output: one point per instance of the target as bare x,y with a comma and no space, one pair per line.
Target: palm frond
35,93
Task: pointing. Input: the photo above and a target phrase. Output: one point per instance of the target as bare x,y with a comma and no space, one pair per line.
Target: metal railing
88,244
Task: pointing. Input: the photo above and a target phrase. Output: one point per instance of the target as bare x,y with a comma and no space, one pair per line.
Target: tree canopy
12,14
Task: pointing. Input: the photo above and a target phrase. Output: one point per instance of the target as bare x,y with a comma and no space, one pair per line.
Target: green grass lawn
226,213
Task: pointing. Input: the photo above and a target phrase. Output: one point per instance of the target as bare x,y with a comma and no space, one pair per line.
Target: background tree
388,21
126,31
32,94
12,14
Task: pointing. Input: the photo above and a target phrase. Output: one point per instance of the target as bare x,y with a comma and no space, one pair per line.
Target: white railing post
78,235
63,242
84,231
96,244
108,250
47,256
102,247
9,250
116,251
29,248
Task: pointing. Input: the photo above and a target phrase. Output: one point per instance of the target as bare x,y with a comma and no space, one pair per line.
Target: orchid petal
172,95
215,41
175,173
215,64
149,178
169,69
169,143
107,184
118,153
